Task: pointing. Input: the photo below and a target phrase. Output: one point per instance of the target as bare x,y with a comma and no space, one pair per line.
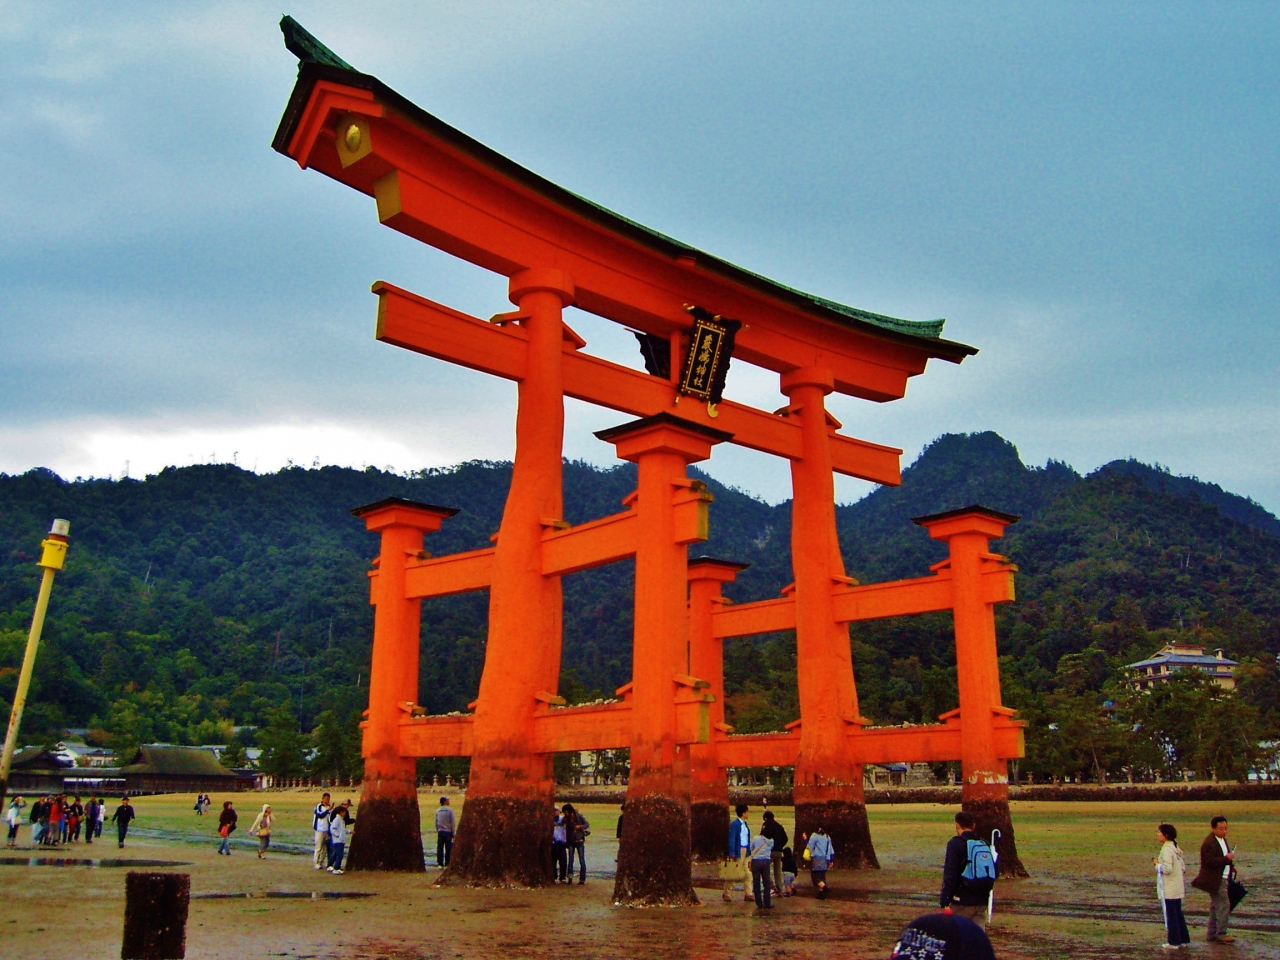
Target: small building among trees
1174,658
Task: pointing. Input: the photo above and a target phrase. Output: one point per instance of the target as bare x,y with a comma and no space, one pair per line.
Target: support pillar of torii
510,790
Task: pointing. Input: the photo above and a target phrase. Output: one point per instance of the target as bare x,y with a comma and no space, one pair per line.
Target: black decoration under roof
402,502
972,508
719,562
663,419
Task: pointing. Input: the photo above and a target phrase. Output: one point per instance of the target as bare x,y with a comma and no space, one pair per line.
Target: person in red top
57,812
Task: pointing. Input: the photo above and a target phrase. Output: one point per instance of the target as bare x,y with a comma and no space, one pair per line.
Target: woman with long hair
1171,871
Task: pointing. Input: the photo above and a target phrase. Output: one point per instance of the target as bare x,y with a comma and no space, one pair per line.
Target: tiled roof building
1174,658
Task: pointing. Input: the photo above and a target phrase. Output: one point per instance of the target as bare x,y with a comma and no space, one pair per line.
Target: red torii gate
432,182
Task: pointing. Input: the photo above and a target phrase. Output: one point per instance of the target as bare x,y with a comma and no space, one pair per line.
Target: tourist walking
75,813
444,832
53,833
92,814
761,852
102,815
1217,869
1171,869
261,829
737,865
37,820
938,935
968,872
123,816
227,826
320,824
338,837
560,848
821,852
577,829
778,834
13,817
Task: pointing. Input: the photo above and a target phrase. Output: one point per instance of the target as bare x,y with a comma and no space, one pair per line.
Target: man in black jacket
778,834
962,896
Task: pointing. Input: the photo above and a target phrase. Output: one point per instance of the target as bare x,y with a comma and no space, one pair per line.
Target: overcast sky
1086,192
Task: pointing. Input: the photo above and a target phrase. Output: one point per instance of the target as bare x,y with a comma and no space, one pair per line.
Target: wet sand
1090,895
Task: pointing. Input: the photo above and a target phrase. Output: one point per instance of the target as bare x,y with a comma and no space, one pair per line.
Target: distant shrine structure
694,311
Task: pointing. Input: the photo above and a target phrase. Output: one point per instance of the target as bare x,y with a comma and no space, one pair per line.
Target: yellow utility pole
52,556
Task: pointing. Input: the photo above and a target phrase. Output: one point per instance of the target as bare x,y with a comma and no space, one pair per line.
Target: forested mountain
208,596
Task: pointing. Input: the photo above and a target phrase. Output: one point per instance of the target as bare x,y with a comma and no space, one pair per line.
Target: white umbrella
995,858
1164,910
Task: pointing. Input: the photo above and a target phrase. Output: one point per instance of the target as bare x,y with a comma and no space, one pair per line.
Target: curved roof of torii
317,62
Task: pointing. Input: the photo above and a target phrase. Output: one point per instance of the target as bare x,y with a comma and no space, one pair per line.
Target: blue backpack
980,871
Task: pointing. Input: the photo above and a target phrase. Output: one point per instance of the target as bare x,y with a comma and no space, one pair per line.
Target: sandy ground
1091,895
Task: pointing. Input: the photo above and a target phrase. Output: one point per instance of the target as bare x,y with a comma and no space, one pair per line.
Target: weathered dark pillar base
994,814
155,916
503,842
654,864
709,830
388,837
846,824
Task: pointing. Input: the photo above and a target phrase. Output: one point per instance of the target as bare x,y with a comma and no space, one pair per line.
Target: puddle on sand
87,862
285,895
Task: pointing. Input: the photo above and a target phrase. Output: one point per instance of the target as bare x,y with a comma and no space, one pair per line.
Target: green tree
1227,739
331,760
283,747
233,758
128,728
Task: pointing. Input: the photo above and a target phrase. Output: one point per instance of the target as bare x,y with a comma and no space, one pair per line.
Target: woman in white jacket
1172,869
262,829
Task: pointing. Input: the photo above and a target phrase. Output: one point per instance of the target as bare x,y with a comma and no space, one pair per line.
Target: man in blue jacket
737,867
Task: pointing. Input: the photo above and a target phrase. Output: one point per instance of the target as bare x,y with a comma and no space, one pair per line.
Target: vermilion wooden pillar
710,787
504,833
985,790
390,836
653,858
828,780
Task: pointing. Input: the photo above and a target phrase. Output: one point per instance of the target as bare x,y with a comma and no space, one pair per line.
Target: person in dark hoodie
778,834
968,874
939,936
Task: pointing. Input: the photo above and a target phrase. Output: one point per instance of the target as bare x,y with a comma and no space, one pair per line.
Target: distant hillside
1241,509
205,596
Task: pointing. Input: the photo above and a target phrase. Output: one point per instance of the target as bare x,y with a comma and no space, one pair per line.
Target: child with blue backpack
968,874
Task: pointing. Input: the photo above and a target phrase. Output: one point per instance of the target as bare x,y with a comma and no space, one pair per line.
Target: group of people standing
1217,878
331,824
767,859
569,832
55,820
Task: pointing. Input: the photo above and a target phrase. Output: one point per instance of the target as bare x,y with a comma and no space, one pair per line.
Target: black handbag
1235,891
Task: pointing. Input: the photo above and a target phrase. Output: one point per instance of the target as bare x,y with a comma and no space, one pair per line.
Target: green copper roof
317,60
307,48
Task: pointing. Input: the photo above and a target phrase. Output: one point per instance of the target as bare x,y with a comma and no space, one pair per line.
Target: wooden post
505,831
654,864
985,788
828,779
155,916
709,825
390,835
